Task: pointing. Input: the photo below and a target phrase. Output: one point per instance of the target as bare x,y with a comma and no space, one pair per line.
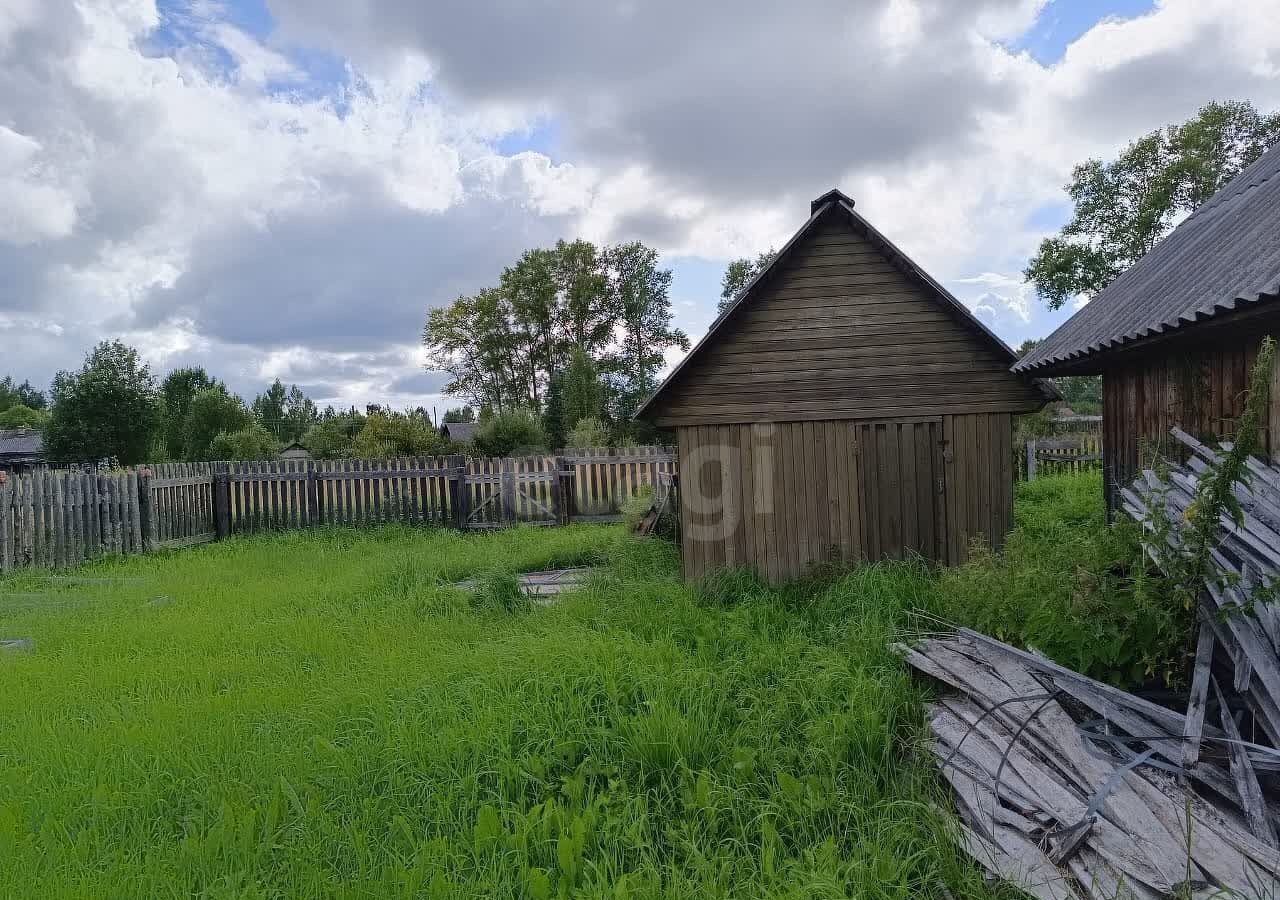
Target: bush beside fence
57,518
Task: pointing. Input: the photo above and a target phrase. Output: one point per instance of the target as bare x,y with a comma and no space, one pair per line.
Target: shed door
901,488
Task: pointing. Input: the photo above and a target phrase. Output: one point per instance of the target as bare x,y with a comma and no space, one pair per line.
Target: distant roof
1225,256
21,442
460,431
839,201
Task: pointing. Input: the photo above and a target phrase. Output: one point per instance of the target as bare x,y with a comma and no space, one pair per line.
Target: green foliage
553,414
500,591
319,712
212,412
327,440
583,392
739,273
506,346
387,435
589,432
176,392
252,442
459,414
285,412
512,432
636,506
1082,393
108,409
20,416
1073,586
1124,206
14,394
1191,566
640,292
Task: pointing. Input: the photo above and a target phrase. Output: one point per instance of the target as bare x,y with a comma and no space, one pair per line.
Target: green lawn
322,714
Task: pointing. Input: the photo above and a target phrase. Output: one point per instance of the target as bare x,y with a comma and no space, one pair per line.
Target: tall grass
1074,587
321,714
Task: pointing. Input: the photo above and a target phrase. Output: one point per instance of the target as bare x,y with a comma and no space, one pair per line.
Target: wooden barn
1176,336
844,407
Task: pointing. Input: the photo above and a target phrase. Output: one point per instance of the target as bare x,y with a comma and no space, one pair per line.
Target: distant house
844,407
460,432
1175,337
295,451
21,449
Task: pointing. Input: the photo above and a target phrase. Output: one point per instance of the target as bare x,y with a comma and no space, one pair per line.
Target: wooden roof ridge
836,199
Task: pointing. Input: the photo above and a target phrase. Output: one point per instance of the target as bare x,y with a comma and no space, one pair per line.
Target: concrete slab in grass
542,587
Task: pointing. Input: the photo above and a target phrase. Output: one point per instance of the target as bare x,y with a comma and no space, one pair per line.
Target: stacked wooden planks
1239,612
1097,809
1144,800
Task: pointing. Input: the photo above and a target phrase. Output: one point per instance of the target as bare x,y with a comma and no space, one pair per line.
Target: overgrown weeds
1074,587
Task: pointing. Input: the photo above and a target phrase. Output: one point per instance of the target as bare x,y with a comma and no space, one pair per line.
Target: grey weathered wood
1193,729
1251,799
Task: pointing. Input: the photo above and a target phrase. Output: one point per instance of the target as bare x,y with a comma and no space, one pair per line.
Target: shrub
20,416
589,432
396,434
510,432
250,443
1072,586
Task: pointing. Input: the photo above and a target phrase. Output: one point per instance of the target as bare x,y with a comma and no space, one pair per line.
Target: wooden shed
844,407
1176,336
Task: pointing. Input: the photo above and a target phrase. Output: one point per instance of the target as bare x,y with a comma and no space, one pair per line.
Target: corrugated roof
21,442
1223,257
838,200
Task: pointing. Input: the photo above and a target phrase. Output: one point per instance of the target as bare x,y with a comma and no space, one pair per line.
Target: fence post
1031,459
222,504
558,504
8,485
459,497
566,477
313,494
144,508
508,487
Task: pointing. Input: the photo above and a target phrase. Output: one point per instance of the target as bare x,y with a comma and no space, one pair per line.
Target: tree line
114,408
565,347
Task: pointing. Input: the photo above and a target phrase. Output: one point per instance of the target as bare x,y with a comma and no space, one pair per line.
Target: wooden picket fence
1051,456
56,518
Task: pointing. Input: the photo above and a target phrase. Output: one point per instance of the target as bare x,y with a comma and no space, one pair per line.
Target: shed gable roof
833,206
1224,257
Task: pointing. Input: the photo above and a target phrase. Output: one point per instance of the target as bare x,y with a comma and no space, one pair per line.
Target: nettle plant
1183,546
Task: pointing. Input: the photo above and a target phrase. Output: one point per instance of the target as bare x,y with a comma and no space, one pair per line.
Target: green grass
322,714
1074,587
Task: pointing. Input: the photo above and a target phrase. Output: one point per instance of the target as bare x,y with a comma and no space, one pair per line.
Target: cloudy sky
284,187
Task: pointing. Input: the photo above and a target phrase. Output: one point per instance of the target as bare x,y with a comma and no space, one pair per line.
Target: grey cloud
775,96
426,382
349,278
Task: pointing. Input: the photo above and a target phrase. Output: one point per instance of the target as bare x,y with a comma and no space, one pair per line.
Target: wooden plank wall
979,481
1200,388
839,332
783,498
